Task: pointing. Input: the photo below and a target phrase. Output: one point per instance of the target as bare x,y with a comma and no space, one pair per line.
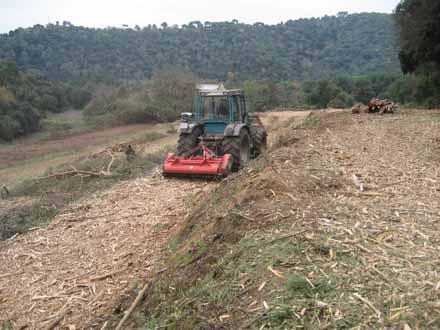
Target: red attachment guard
207,164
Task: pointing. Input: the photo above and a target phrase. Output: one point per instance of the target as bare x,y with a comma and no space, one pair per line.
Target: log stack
382,106
375,106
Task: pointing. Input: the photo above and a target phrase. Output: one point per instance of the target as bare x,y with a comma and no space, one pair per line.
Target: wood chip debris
91,255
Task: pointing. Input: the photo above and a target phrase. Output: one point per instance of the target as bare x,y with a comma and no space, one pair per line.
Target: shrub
341,101
9,128
79,98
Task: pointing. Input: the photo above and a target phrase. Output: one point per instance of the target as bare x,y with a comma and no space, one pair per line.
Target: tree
419,23
363,90
25,97
8,72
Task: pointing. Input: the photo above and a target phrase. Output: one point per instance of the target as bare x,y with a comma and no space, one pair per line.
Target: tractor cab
216,108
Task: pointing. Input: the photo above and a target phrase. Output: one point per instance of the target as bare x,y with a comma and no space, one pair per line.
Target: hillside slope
288,243
96,251
292,243
297,50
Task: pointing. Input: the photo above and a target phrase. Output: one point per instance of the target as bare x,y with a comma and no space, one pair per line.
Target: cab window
214,107
237,108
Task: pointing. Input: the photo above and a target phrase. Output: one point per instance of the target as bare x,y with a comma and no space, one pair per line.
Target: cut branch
109,166
138,299
57,320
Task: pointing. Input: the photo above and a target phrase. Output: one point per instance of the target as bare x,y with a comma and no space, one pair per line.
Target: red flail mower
205,165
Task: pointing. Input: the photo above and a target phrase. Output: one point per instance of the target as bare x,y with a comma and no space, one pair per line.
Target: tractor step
205,165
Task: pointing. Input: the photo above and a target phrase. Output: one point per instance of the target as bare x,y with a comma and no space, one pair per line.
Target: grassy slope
292,244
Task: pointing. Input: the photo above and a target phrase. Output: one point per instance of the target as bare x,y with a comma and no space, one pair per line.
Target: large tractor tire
259,141
240,149
187,142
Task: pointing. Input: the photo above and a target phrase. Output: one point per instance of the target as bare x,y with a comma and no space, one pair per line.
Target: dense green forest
419,26
303,49
26,97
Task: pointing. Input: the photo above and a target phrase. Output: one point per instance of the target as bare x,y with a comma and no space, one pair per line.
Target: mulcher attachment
208,164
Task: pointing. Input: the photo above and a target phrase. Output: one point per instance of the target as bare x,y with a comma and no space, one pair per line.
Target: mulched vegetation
336,228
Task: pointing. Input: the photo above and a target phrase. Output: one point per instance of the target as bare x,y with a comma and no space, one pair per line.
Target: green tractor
219,137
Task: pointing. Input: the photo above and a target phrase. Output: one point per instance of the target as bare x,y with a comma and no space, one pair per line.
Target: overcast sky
103,13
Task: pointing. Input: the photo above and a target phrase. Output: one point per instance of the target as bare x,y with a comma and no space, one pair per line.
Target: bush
422,90
341,101
261,96
9,128
79,98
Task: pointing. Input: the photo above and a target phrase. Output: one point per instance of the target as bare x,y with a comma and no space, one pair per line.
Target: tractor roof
216,90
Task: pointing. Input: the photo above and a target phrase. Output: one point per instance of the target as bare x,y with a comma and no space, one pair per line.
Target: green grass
435,117
6,326
57,127
153,136
20,219
240,272
298,285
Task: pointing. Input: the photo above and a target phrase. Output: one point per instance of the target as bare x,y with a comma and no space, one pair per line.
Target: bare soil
32,156
29,148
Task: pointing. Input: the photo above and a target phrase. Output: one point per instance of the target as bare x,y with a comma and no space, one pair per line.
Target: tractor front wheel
187,142
239,148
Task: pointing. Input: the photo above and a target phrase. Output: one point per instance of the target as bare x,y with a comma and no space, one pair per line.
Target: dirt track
97,251
31,156
28,148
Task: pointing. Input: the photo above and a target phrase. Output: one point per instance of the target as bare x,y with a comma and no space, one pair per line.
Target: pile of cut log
375,106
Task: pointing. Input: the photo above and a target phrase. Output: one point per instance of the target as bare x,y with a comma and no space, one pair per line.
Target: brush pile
375,106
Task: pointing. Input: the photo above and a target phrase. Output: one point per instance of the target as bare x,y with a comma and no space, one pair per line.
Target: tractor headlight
187,117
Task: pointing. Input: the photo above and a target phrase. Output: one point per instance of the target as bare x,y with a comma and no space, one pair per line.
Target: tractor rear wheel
259,141
187,142
239,147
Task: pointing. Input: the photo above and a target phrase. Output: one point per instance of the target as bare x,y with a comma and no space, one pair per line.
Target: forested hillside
26,97
295,50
